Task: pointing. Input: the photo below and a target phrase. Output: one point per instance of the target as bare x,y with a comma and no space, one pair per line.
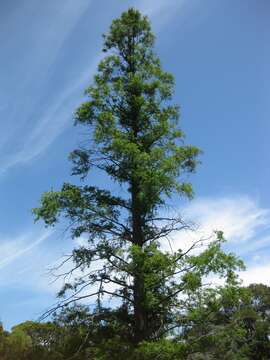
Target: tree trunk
140,314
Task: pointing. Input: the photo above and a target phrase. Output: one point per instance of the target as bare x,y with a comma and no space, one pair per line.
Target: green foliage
226,323
162,350
220,323
135,139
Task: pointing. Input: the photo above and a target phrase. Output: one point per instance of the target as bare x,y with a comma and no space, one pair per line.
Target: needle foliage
134,139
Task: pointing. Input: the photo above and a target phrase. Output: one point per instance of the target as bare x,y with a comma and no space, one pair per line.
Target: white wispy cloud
239,217
52,123
13,249
25,259
245,224
256,274
162,12
45,40
162,9
58,115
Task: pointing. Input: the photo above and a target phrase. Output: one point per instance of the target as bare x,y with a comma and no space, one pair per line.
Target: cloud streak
239,217
12,250
166,8
246,227
57,117
53,122
46,40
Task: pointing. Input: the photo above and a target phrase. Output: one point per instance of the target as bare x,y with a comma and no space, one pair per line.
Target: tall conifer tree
135,140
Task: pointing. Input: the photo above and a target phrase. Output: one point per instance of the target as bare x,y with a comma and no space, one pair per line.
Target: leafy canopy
134,138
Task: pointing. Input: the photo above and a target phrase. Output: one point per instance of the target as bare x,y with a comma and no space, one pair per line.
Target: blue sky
219,53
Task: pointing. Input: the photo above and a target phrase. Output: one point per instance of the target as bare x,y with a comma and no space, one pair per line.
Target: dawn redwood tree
133,138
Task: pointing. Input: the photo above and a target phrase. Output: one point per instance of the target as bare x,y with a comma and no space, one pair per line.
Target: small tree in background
135,140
